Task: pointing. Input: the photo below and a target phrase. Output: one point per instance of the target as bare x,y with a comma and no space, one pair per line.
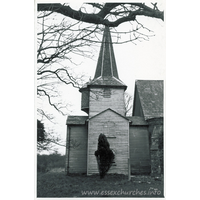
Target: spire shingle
106,65
106,70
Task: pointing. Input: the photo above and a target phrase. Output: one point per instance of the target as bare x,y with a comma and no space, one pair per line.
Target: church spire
106,71
106,65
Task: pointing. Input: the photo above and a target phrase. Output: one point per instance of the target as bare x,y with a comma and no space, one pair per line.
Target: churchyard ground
55,183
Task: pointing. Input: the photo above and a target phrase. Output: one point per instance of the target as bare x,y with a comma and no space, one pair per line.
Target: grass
57,184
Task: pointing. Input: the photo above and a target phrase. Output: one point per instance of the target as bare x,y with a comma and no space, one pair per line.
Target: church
136,141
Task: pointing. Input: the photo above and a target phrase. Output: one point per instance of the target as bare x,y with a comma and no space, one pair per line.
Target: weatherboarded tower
106,90
103,102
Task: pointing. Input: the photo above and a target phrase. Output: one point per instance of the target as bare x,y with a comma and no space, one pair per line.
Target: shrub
104,155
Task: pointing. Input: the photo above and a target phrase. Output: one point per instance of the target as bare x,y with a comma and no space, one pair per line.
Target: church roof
111,111
81,120
151,97
76,120
106,71
137,120
107,81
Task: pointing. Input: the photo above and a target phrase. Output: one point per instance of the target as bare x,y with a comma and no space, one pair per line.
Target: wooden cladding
116,129
102,99
76,160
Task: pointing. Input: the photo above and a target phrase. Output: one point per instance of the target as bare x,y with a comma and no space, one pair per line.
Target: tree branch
49,99
56,73
99,18
53,141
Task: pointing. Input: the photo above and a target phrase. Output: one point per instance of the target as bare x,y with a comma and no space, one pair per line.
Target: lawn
56,183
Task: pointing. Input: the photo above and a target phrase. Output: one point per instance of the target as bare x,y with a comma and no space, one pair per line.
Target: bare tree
121,12
64,33
56,43
128,104
46,140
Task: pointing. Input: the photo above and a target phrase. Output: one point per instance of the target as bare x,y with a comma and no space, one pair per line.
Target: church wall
156,146
139,150
116,129
77,139
99,103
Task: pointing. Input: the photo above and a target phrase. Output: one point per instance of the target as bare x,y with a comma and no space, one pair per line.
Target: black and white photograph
100,102
99,99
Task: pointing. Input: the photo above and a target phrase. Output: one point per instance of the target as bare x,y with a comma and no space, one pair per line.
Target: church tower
103,101
106,90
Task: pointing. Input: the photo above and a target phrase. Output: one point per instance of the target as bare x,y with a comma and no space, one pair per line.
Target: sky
142,60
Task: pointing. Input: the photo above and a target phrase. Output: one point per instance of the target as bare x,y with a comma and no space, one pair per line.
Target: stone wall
156,149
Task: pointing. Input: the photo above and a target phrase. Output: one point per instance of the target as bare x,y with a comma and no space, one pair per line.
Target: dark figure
104,155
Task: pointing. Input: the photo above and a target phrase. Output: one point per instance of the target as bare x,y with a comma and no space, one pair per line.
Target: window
107,93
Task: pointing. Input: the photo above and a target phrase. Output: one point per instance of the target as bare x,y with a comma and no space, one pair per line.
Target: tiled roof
78,120
151,97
